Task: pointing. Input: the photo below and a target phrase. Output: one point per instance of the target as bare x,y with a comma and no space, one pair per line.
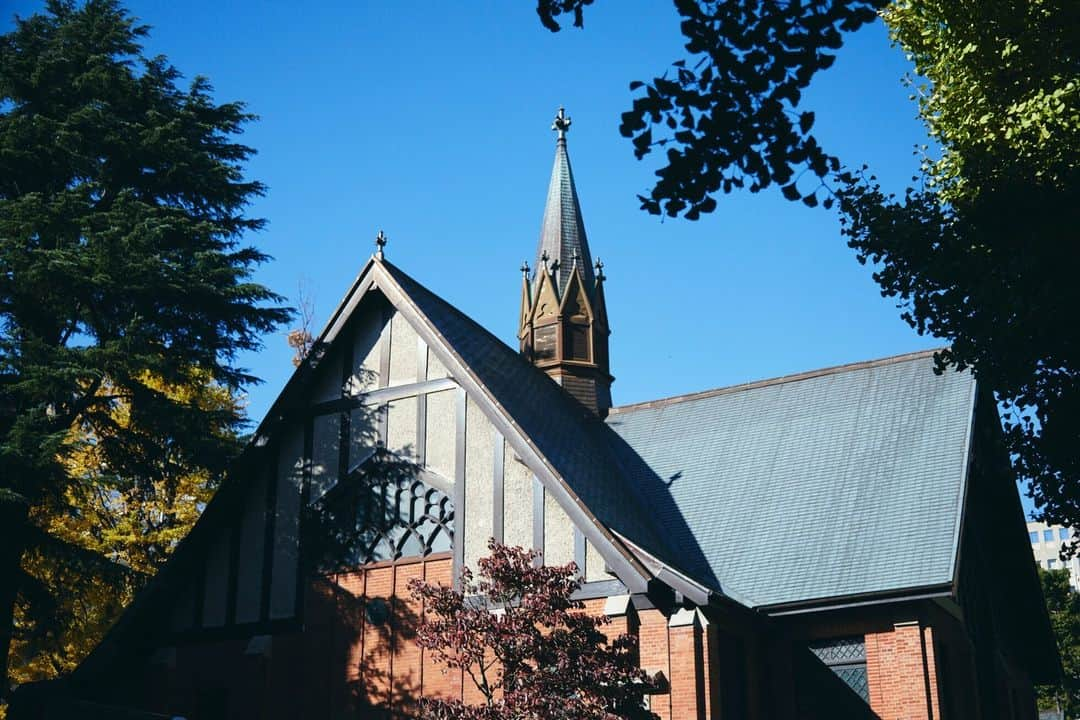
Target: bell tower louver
563,327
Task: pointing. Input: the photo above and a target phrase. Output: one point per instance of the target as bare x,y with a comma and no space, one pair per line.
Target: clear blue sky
431,121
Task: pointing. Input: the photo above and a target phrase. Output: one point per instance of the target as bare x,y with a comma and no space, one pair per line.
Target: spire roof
562,233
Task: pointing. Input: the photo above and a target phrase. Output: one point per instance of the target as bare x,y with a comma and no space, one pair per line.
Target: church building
842,543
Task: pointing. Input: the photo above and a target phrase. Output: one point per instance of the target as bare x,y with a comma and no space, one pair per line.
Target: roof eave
878,597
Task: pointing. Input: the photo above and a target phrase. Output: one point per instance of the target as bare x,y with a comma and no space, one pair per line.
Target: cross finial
562,123
600,270
380,243
525,269
544,258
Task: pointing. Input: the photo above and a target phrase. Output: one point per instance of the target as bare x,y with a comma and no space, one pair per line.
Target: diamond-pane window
847,658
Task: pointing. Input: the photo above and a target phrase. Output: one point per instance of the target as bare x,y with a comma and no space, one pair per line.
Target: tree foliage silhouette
122,208
981,251
1063,604
527,647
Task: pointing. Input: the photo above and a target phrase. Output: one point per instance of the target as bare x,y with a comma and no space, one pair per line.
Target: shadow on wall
373,649
821,694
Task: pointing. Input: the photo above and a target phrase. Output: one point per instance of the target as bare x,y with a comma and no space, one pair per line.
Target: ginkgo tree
108,533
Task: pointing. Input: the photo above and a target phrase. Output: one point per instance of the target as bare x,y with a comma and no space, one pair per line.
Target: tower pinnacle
563,328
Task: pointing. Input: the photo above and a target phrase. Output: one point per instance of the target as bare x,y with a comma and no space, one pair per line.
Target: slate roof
562,232
842,482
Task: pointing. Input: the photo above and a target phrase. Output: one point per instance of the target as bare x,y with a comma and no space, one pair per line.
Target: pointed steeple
563,325
562,233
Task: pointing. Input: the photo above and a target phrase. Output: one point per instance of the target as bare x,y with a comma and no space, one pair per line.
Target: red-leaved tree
530,649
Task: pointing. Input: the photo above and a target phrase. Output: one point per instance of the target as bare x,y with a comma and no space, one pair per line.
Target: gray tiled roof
562,232
836,483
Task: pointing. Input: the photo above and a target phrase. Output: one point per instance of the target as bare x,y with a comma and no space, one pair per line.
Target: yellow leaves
132,522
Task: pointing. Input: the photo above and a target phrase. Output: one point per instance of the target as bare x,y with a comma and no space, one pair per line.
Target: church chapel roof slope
572,441
843,482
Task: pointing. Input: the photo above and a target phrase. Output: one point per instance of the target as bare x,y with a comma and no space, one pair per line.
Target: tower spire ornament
561,123
380,243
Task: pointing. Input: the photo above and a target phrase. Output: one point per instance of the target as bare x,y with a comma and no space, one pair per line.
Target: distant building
1046,542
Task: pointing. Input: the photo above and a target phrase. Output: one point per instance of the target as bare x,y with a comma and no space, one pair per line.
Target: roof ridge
780,380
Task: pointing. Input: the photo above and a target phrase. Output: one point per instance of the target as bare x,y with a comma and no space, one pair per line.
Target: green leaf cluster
1063,605
982,251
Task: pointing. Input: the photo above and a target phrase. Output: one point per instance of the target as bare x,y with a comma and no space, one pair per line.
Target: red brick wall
897,666
342,665
687,672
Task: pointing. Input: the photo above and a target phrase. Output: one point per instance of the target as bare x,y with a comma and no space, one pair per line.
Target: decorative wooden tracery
386,508
402,517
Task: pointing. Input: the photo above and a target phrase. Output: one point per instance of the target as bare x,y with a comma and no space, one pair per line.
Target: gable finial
561,123
544,257
380,243
525,269
600,271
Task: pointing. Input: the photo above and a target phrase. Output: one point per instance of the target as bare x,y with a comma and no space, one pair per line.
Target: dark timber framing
459,488
497,489
381,396
421,401
274,460
234,564
305,492
345,425
579,551
384,371
538,515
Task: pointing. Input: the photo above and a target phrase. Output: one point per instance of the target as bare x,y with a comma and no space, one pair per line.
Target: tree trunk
13,517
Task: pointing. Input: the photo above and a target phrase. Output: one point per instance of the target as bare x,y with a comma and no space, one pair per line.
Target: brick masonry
347,664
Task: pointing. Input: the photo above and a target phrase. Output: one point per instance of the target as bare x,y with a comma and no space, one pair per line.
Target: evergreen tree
122,274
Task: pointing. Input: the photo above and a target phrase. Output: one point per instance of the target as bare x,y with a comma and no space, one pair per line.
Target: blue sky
431,121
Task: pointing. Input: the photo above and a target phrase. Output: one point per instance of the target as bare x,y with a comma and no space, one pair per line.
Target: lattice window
387,508
404,518
847,658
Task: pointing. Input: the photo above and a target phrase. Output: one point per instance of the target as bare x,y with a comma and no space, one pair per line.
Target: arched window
387,508
404,517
